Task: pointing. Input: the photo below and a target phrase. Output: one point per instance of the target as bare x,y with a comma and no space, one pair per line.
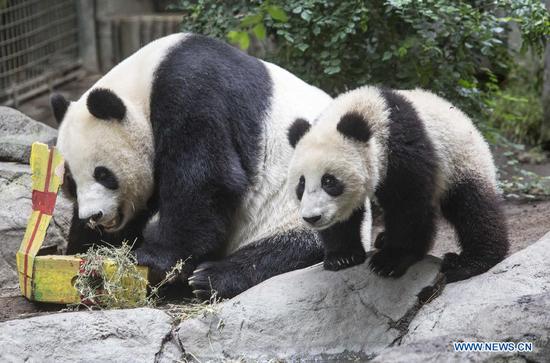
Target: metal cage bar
38,46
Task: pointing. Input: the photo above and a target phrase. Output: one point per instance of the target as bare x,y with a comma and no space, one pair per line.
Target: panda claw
198,270
202,294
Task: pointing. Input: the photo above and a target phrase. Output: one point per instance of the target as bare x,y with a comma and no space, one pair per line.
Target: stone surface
511,302
15,202
317,315
137,335
18,132
311,313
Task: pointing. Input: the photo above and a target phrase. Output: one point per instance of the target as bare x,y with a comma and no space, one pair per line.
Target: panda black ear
59,106
354,126
105,105
299,128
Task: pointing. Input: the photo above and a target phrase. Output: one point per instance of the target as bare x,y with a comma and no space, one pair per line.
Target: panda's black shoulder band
299,128
354,126
105,104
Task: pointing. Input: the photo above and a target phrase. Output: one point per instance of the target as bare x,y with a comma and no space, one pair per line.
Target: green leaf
240,38
303,47
386,56
332,70
277,13
306,15
259,31
251,20
233,36
244,41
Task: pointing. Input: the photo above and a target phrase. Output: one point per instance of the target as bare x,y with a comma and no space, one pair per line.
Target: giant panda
417,155
188,137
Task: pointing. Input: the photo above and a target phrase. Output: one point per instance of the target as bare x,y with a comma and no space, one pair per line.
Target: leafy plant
455,48
516,110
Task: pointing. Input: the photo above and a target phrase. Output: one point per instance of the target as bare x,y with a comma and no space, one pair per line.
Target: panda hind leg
475,213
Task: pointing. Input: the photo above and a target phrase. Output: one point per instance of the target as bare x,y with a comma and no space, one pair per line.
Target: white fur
124,147
267,208
460,148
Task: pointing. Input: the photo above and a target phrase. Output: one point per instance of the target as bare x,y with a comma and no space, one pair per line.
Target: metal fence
38,47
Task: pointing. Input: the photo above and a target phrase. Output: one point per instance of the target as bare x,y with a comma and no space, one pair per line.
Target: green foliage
516,110
452,47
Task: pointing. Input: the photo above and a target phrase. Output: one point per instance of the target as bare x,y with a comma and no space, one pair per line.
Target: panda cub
417,154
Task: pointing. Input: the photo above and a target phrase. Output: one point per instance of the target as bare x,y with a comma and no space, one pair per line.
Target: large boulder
15,192
138,335
311,314
18,132
511,302
317,315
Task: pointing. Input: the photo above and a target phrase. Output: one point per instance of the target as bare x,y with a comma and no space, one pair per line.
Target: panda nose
312,220
96,217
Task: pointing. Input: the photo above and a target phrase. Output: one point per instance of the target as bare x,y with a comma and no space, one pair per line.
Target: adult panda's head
330,172
108,151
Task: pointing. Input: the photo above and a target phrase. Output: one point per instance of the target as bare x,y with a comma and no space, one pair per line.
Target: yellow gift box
51,278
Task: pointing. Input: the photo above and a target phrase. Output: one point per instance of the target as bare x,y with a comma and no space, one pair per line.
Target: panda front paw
391,262
161,261
341,260
217,279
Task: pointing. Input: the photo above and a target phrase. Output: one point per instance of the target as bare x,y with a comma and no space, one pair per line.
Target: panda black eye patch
105,177
301,187
332,185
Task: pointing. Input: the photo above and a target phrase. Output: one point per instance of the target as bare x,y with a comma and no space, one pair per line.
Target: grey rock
16,206
511,302
136,335
311,314
18,132
439,350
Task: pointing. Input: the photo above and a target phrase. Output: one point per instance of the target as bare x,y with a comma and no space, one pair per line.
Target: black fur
69,186
481,228
300,187
332,185
342,243
208,103
297,130
407,193
106,177
354,126
105,105
257,262
59,106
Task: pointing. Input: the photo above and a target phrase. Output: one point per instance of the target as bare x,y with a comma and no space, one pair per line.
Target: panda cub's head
108,151
327,174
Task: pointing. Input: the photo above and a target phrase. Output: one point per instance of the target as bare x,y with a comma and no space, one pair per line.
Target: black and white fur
193,132
416,154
